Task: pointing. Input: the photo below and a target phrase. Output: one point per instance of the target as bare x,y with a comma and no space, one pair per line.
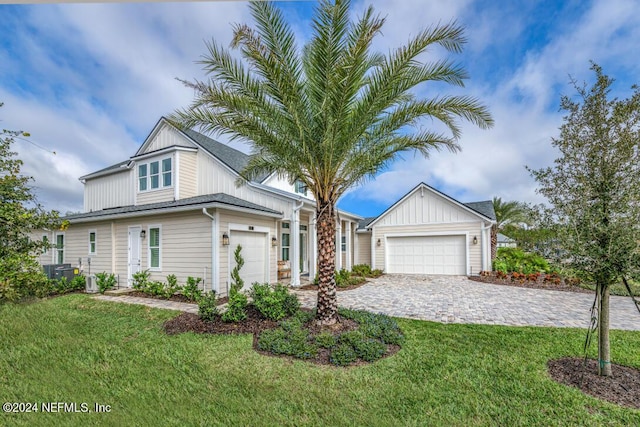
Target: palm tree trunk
326,230
604,353
494,241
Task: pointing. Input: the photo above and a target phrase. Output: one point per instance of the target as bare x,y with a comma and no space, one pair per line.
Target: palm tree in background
331,114
507,213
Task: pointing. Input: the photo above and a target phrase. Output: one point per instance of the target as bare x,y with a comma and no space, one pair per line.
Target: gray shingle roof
220,198
485,208
111,168
236,160
504,239
362,224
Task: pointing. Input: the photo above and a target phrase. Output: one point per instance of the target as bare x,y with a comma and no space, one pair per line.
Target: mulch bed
255,324
622,387
539,284
312,287
176,298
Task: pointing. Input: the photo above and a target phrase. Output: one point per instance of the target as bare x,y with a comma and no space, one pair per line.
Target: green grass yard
76,349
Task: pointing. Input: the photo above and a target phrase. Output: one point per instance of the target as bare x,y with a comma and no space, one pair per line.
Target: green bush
192,289
170,288
141,280
236,308
78,283
361,270
105,281
22,277
509,260
292,342
325,340
343,355
369,349
274,304
378,326
155,288
8,293
342,278
207,306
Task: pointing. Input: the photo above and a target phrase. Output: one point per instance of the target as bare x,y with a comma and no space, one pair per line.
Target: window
60,249
285,241
45,243
151,177
142,177
300,187
154,247
92,242
343,243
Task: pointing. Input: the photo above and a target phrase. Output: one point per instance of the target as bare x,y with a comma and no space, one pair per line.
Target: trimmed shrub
192,290
343,355
236,308
509,260
361,270
291,342
171,287
105,281
325,340
207,307
141,280
78,283
274,304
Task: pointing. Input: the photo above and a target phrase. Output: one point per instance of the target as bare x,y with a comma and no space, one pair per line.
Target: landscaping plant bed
541,281
312,287
622,387
175,297
189,322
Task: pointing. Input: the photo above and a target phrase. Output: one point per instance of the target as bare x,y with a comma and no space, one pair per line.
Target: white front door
135,262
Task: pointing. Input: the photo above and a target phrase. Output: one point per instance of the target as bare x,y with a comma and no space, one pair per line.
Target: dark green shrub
369,349
342,278
325,340
274,304
207,307
78,283
8,292
141,280
509,260
376,273
378,326
236,308
343,355
155,288
105,281
361,270
171,287
293,342
22,277
192,289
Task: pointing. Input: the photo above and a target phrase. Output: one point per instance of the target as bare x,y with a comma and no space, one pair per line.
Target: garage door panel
427,255
254,253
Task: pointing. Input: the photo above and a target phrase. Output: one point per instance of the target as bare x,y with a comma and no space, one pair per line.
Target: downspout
486,263
214,252
295,262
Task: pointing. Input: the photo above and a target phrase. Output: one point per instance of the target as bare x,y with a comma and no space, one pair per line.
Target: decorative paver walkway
448,299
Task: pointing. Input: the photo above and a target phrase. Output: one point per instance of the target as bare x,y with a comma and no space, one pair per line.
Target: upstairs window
155,175
300,187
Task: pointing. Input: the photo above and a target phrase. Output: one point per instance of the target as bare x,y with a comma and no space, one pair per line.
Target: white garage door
426,255
254,253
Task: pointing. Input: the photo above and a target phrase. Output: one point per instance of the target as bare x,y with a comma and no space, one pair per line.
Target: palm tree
507,213
332,114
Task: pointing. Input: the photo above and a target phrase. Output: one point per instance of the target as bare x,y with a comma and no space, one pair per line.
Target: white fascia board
164,151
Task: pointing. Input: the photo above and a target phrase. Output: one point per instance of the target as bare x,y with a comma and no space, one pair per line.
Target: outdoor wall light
143,234
379,242
475,240
274,241
225,239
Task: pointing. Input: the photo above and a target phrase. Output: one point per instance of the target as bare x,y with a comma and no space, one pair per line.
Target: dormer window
155,175
300,187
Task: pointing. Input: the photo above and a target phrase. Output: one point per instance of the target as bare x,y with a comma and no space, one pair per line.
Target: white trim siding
158,247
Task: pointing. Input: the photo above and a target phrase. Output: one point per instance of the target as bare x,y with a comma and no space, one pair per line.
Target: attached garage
427,255
255,255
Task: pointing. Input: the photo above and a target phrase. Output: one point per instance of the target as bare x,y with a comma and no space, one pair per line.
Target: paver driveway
456,299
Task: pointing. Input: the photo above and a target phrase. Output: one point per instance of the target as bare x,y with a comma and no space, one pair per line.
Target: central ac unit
92,286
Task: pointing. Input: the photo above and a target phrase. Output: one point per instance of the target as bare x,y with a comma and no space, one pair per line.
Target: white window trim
64,244
161,185
95,241
282,246
343,243
159,267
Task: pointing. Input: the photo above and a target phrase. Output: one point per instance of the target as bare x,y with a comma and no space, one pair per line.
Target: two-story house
174,208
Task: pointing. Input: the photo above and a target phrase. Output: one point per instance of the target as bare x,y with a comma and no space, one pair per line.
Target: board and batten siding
470,228
425,207
109,191
167,136
282,183
227,262
213,177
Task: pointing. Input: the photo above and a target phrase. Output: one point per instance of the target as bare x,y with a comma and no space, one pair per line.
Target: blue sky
89,81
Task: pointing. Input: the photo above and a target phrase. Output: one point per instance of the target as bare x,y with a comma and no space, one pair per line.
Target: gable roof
218,199
504,239
364,222
118,167
480,209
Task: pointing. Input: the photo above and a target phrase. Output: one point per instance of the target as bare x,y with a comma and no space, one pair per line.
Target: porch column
348,254
313,236
294,251
339,246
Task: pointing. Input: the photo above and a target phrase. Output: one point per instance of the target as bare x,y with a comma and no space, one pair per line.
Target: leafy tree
331,114
507,213
595,192
20,217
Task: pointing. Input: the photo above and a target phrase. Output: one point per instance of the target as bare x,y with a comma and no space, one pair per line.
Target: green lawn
76,349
